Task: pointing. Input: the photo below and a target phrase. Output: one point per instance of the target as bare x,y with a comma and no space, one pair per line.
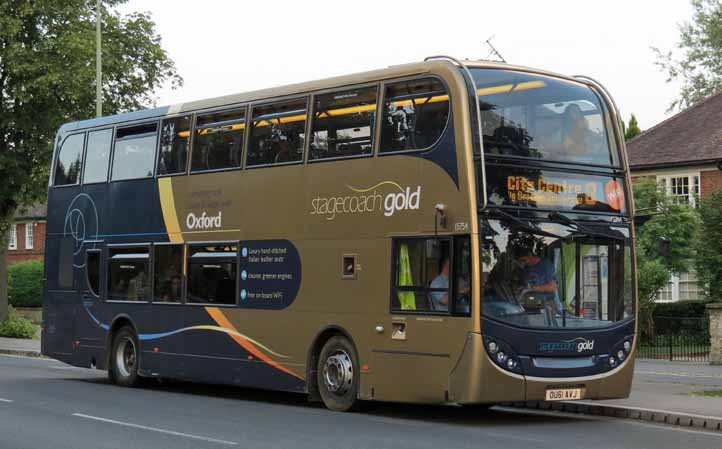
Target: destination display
270,274
547,189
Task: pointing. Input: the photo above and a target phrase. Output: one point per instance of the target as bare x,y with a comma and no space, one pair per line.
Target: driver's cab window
556,277
423,274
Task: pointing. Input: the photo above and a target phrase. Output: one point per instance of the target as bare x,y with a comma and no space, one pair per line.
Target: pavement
674,386
20,346
44,403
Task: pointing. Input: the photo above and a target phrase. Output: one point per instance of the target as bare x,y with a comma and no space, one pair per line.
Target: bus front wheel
337,374
124,358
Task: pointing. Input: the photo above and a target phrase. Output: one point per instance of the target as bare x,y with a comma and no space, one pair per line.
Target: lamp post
98,64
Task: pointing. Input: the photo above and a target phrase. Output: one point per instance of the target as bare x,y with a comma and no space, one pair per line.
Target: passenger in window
398,122
173,291
284,151
137,286
440,300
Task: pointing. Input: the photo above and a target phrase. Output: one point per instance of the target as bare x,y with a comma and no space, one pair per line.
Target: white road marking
8,401
155,429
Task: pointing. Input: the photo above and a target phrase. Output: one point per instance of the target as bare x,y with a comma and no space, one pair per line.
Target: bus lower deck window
212,274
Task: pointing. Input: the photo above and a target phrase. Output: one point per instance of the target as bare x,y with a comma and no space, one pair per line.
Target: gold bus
437,232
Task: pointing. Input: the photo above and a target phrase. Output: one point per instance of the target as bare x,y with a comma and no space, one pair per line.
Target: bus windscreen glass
539,117
548,275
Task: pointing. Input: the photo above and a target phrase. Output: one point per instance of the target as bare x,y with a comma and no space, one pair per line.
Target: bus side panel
60,296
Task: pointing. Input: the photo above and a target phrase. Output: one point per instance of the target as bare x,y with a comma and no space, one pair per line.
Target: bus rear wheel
125,358
337,374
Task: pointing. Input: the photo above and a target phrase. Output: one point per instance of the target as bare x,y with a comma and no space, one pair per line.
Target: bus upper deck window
343,123
277,133
415,115
174,142
97,156
69,163
218,140
134,155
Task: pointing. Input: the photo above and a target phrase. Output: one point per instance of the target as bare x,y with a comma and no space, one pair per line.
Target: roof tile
693,135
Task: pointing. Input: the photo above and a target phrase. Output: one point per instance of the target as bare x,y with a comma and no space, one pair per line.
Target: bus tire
124,358
337,374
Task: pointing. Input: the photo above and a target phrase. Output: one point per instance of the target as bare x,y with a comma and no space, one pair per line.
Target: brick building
26,240
684,154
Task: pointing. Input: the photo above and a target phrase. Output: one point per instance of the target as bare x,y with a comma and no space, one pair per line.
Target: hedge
681,309
25,284
16,326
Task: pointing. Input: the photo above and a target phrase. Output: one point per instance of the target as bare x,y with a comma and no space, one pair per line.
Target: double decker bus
436,232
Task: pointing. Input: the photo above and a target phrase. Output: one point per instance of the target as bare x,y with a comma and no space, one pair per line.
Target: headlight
612,361
503,355
627,346
493,347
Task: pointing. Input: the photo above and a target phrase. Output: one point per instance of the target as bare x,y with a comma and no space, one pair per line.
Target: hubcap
338,372
125,357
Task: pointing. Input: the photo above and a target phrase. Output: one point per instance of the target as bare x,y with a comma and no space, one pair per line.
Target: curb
713,423
22,353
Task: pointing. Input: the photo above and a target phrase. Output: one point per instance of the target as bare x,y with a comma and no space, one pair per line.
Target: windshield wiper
583,228
527,225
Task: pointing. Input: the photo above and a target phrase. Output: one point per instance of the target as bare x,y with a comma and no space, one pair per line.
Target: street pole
98,65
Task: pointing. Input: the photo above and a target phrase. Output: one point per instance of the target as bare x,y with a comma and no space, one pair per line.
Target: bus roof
395,71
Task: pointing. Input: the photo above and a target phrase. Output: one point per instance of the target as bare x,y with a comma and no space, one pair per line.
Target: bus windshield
548,275
539,117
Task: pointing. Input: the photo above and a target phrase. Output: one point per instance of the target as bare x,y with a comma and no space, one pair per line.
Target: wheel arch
120,321
314,351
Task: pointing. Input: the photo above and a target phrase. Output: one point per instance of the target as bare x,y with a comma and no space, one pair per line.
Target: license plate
564,394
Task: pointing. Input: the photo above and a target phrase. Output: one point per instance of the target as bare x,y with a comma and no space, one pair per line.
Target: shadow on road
423,413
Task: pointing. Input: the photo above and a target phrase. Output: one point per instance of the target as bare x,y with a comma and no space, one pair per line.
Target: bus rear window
540,117
68,166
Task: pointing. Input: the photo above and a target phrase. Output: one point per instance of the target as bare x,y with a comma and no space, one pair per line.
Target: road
46,404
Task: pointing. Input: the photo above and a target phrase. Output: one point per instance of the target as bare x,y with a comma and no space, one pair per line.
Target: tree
47,76
709,245
665,243
632,130
699,68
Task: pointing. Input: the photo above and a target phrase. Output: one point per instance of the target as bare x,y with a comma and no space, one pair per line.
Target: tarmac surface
44,403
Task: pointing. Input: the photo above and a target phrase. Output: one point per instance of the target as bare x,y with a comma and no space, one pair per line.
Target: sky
224,47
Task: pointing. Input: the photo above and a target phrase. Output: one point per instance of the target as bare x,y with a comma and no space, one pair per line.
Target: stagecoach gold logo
578,344
368,200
